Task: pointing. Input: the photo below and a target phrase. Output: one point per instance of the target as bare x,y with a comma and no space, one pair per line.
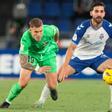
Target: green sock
15,91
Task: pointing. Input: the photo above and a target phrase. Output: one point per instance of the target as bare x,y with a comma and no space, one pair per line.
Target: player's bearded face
98,14
36,33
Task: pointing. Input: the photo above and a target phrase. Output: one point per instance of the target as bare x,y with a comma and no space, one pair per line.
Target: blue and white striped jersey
90,41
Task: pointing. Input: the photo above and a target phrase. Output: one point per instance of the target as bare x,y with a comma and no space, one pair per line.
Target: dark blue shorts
79,65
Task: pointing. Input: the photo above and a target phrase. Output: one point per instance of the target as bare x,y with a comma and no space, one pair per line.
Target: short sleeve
24,44
55,29
79,32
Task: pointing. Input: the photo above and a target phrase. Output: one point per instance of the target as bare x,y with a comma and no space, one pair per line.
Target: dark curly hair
97,3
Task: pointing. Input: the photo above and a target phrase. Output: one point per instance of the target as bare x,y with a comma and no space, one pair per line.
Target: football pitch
74,96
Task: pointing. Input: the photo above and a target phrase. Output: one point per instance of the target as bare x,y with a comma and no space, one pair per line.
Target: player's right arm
75,40
78,35
69,53
24,53
68,56
25,57
62,71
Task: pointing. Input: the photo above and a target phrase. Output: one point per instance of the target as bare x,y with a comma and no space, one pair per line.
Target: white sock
45,94
111,97
8,101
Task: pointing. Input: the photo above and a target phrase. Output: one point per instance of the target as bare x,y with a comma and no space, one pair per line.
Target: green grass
74,96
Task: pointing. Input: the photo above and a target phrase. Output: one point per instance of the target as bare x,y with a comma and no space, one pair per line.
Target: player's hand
44,69
59,44
61,73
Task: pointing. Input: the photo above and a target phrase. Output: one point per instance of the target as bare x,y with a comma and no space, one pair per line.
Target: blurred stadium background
75,95
65,14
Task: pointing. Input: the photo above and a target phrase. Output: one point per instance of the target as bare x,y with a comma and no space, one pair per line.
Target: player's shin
14,91
44,95
53,93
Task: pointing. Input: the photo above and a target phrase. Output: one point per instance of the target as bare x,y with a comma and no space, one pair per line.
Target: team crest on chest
45,43
101,36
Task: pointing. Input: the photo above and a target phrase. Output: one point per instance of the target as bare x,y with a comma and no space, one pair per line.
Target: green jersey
43,49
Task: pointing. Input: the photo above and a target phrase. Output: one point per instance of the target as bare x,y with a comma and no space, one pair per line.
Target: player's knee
23,83
52,87
25,64
52,84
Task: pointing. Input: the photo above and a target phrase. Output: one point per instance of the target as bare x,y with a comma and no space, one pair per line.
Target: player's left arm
56,36
55,33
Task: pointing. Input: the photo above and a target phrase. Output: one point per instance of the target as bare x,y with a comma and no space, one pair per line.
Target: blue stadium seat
32,1
67,9
52,9
34,9
64,25
77,22
109,9
107,1
51,1
49,21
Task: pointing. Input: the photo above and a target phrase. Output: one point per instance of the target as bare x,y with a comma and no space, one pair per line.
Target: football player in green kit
38,49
